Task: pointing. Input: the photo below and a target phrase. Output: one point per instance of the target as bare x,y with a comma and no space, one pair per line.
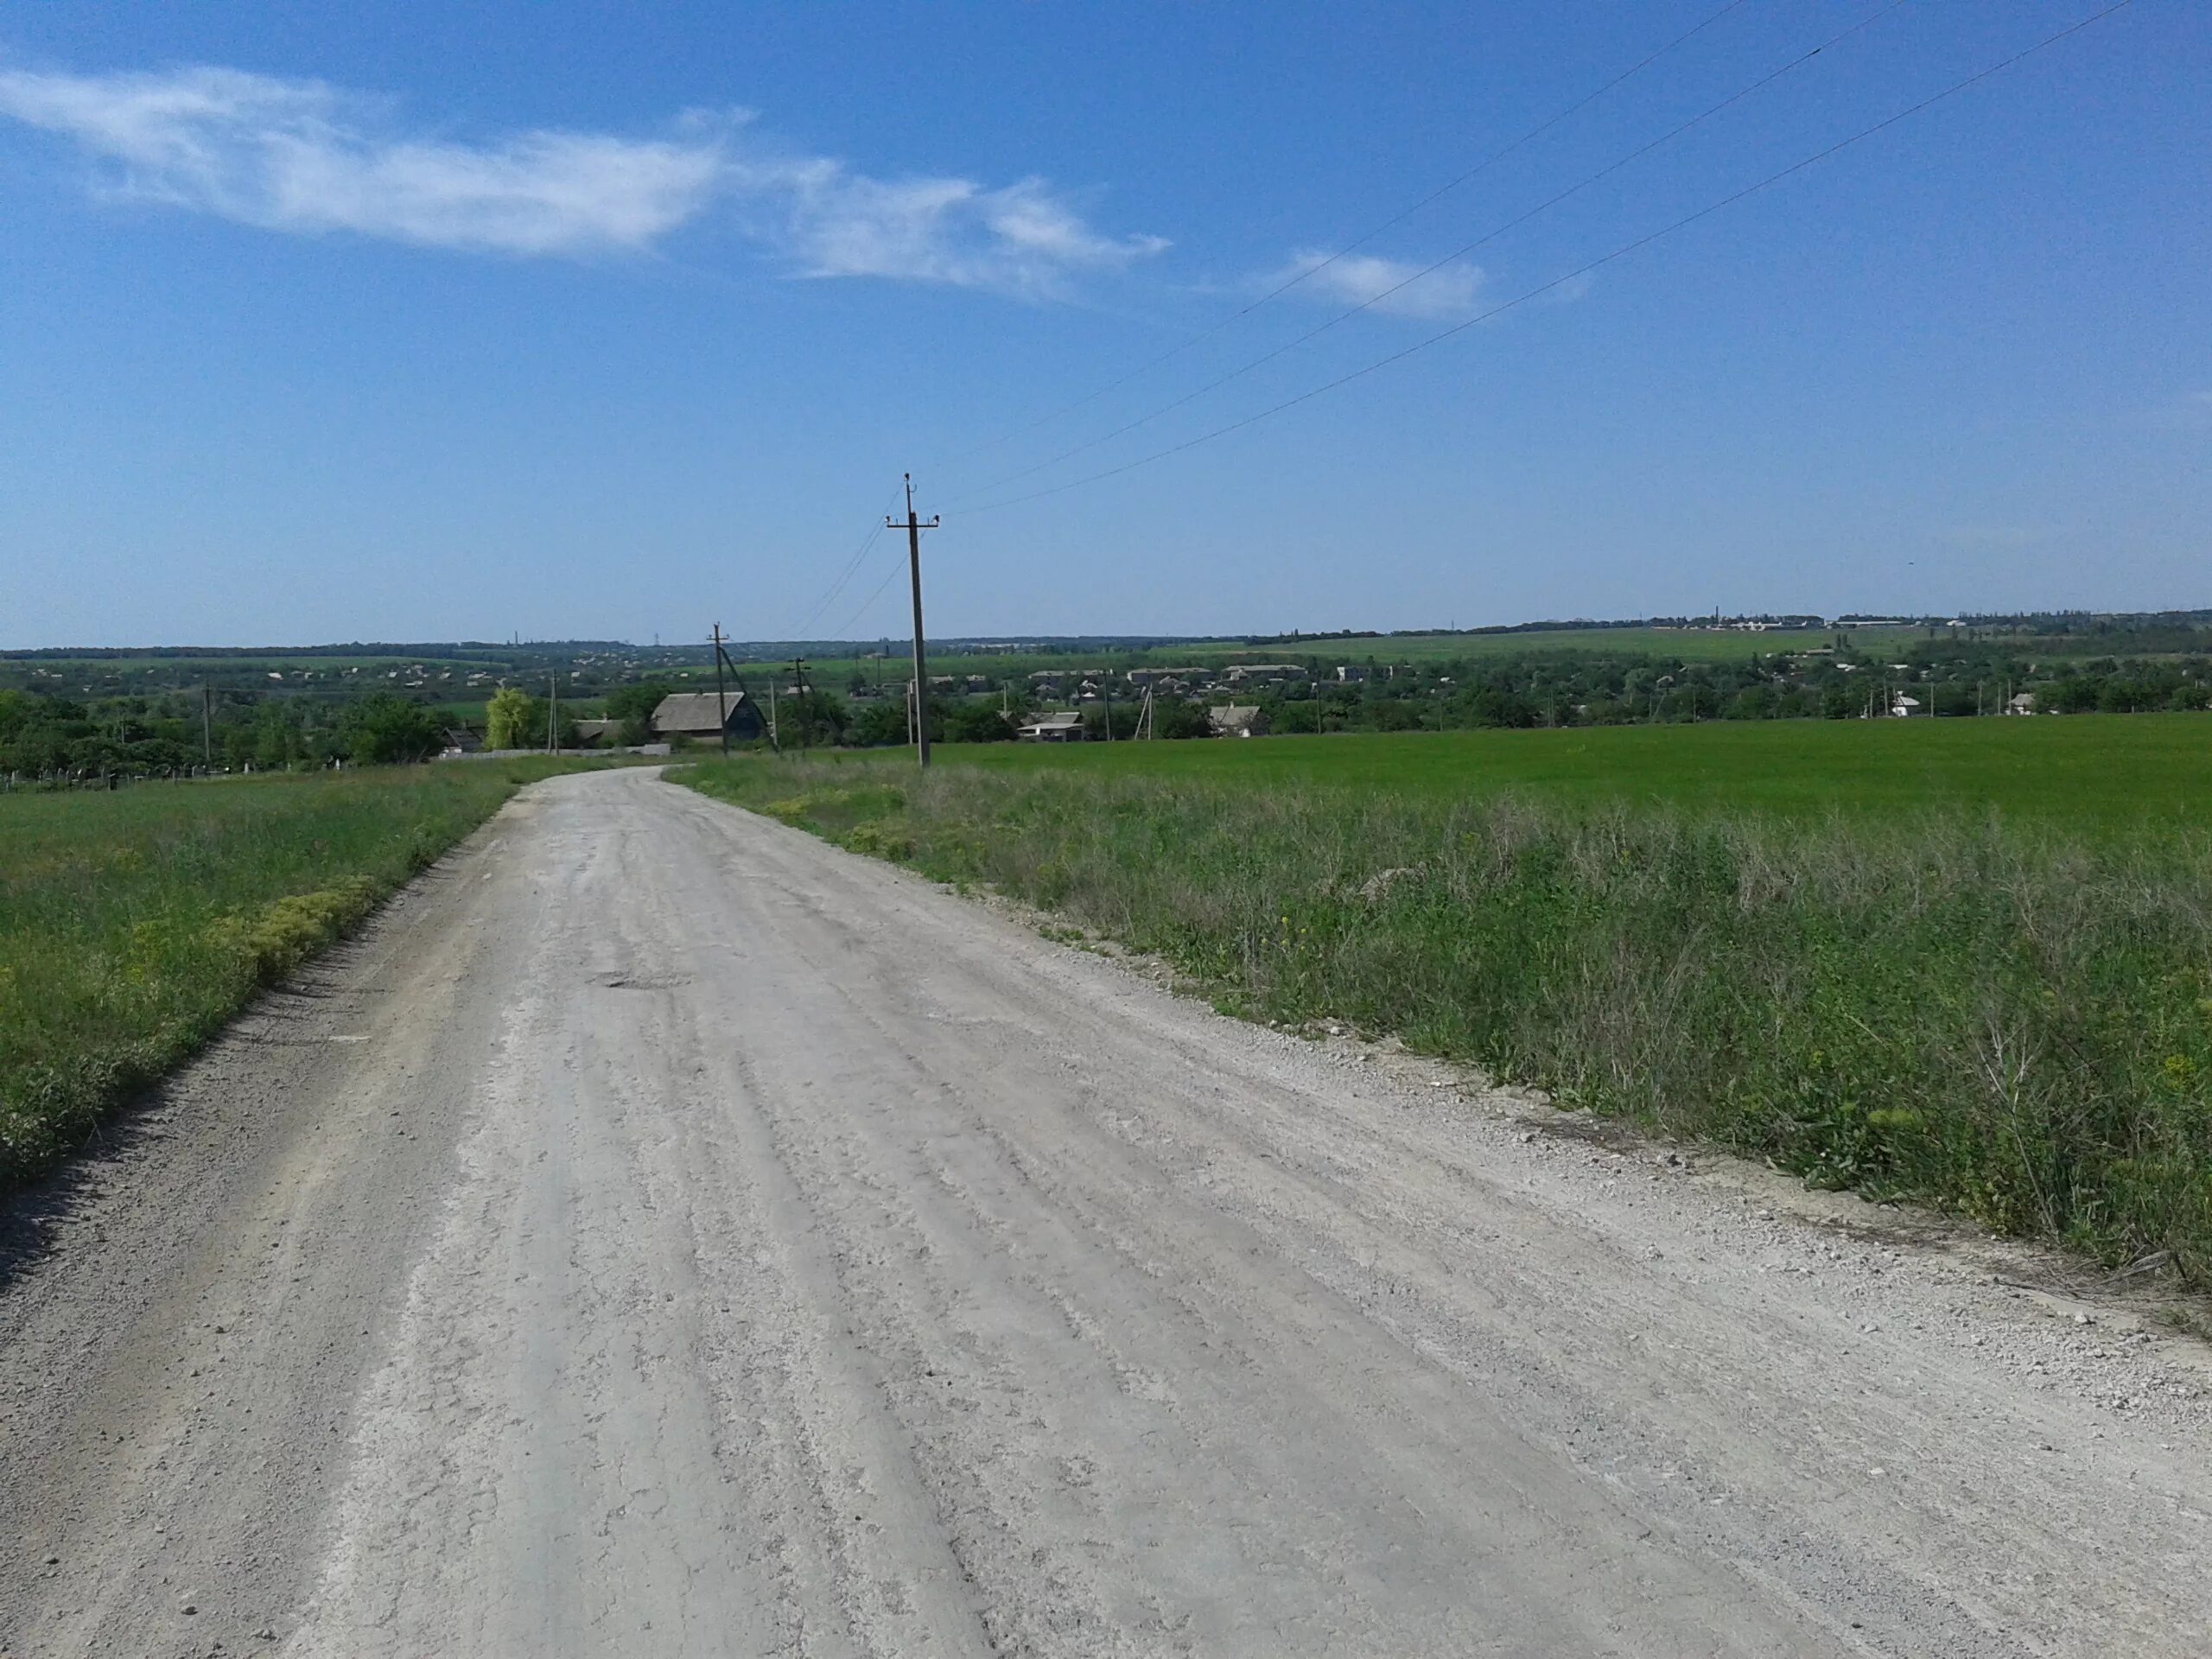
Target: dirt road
666,1234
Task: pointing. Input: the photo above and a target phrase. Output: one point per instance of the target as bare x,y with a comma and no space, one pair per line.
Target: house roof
1057,719
694,711
1229,715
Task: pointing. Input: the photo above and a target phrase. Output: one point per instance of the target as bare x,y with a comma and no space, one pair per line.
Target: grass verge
2011,1023
133,925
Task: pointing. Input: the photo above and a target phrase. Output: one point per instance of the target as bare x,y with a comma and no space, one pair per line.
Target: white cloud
829,221
304,157
300,155
1398,287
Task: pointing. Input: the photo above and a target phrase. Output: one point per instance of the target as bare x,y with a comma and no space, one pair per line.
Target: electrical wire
1484,240
889,576
1620,252
1358,242
837,586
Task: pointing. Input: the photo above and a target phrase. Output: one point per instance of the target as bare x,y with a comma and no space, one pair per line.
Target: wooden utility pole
721,701
552,713
206,727
914,527
805,709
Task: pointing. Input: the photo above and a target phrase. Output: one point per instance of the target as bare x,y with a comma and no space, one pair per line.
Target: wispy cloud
1398,287
827,220
305,157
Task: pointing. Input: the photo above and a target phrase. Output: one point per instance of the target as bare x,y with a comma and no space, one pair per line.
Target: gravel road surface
664,1234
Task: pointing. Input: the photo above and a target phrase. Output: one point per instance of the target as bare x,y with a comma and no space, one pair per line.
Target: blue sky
602,320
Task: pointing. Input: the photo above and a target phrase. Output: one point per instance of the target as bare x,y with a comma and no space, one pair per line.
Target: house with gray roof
703,716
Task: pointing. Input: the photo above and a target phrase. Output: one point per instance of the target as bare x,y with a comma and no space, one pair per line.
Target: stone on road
666,1234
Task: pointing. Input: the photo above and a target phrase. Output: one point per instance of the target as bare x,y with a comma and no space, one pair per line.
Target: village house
1238,719
1064,727
2021,702
593,734
1259,673
698,717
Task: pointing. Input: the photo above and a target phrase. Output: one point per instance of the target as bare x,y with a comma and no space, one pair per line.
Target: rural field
2082,772
1970,963
133,924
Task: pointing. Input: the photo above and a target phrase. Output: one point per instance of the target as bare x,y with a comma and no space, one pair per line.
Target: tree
508,718
879,725
385,730
1123,715
1175,717
809,717
978,722
633,706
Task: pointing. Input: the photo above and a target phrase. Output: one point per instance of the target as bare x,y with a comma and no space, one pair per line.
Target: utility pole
722,701
806,717
206,727
552,712
914,527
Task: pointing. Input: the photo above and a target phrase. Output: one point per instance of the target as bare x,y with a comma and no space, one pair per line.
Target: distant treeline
473,650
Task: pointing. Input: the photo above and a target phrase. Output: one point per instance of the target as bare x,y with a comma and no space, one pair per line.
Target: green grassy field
1970,963
2082,771
134,923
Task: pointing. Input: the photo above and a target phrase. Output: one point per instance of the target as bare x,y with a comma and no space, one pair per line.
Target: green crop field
133,924
1968,962
2086,770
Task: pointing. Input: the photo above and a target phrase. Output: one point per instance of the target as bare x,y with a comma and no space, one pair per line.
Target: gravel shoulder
663,1232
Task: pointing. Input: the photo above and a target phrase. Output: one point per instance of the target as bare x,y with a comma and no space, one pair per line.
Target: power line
889,576
1358,242
1488,236
1620,252
852,565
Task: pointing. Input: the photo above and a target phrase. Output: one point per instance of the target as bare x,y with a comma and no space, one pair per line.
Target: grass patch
134,923
2010,1020
2090,773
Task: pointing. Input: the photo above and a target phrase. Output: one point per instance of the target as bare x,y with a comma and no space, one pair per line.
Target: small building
704,716
1062,727
2021,702
596,734
1351,673
1238,719
1243,672
1904,707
